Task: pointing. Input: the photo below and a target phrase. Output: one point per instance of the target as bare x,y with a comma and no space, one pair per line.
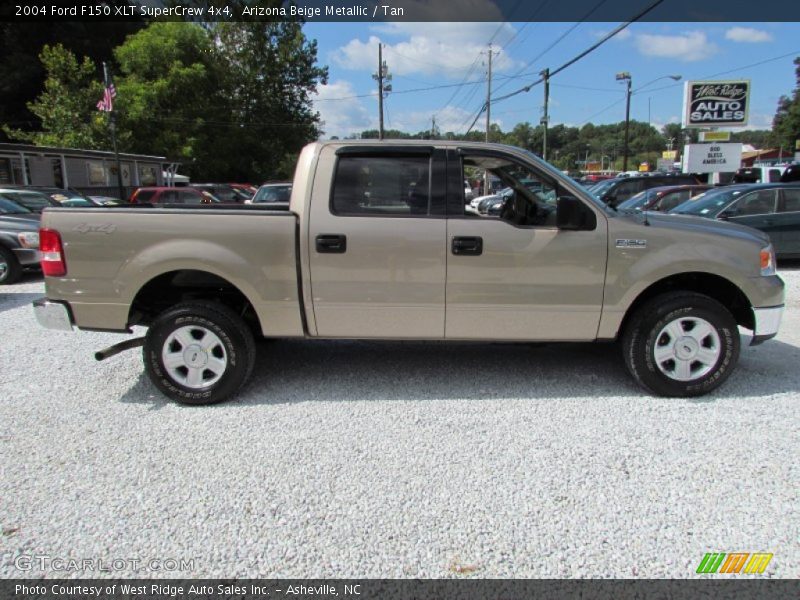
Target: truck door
516,276
377,233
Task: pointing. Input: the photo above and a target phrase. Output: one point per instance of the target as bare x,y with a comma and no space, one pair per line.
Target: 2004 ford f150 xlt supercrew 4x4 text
377,244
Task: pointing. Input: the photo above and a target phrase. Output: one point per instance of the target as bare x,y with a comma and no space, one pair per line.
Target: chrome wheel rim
194,357
3,269
687,348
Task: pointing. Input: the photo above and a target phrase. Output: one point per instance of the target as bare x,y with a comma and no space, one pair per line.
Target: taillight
53,262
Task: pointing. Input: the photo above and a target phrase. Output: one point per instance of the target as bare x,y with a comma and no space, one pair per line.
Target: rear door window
791,200
168,197
761,202
190,198
382,186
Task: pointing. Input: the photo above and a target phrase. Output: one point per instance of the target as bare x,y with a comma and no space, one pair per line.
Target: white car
468,193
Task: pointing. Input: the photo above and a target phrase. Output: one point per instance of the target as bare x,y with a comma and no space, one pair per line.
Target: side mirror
727,214
574,215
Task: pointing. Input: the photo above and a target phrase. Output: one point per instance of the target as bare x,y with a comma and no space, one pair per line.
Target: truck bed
112,253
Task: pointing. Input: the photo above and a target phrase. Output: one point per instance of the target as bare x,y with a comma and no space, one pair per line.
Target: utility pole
433,127
545,118
626,77
383,73
488,113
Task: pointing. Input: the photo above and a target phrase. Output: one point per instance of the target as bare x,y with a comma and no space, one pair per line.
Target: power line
572,61
750,66
558,40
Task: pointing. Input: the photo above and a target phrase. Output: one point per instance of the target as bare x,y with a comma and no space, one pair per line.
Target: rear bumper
52,314
27,257
768,321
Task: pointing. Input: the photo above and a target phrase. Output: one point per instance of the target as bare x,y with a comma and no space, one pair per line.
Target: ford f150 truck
377,244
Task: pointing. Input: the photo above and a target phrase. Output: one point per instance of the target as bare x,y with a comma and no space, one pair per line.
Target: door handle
331,243
467,246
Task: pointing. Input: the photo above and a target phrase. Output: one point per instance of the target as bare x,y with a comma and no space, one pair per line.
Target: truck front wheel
681,344
199,352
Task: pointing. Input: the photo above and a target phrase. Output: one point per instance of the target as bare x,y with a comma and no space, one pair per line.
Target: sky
424,55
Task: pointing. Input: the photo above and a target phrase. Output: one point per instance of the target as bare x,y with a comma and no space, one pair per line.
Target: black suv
617,190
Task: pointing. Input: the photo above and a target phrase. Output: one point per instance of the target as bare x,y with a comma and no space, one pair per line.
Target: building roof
33,149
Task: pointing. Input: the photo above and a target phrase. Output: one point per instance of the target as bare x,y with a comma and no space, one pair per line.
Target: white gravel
354,459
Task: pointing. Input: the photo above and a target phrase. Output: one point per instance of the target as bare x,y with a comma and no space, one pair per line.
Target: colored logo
736,562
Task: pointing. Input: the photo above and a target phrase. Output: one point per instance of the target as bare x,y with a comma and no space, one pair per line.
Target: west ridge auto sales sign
716,103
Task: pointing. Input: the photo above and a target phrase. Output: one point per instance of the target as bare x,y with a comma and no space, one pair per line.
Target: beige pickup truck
377,244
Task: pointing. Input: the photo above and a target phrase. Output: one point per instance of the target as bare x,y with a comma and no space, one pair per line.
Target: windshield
598,188
636,202
710,203
273,193
30,200
7,207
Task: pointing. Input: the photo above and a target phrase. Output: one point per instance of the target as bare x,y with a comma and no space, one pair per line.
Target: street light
626,77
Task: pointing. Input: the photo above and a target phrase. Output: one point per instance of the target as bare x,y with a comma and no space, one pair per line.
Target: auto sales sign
716,103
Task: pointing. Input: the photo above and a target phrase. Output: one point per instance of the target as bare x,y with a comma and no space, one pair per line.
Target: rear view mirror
574,215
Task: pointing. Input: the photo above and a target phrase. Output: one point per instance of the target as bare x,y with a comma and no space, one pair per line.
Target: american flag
106,104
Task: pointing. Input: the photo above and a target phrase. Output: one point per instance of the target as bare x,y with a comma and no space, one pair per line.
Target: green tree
169,96
270,72
786,124
22,74
66,107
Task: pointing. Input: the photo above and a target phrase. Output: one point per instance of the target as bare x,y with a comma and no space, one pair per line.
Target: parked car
615,191
792,173
248,189
58,196
759,174
172,195
19,240
273,192
468,193
774,208
224,192
64,196
664,198
105,200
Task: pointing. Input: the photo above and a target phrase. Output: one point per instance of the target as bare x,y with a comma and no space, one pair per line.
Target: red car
171,195
664,198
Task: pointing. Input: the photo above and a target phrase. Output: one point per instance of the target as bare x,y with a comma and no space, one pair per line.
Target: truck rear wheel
681,344
199,352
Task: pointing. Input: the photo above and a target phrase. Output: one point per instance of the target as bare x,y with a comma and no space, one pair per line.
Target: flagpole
113,126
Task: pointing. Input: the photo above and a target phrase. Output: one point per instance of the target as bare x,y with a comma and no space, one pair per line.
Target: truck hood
21,222
698,225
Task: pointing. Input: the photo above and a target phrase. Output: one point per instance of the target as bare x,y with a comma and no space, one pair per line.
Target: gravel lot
395,460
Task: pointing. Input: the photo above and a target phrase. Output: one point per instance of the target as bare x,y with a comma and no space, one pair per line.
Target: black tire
12,271
640,342
235,340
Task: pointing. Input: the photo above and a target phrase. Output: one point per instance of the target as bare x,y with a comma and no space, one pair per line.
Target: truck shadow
12,301
289,371
339,371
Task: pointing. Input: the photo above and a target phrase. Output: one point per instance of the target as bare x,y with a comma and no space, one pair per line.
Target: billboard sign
715,136
712,158
716,103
